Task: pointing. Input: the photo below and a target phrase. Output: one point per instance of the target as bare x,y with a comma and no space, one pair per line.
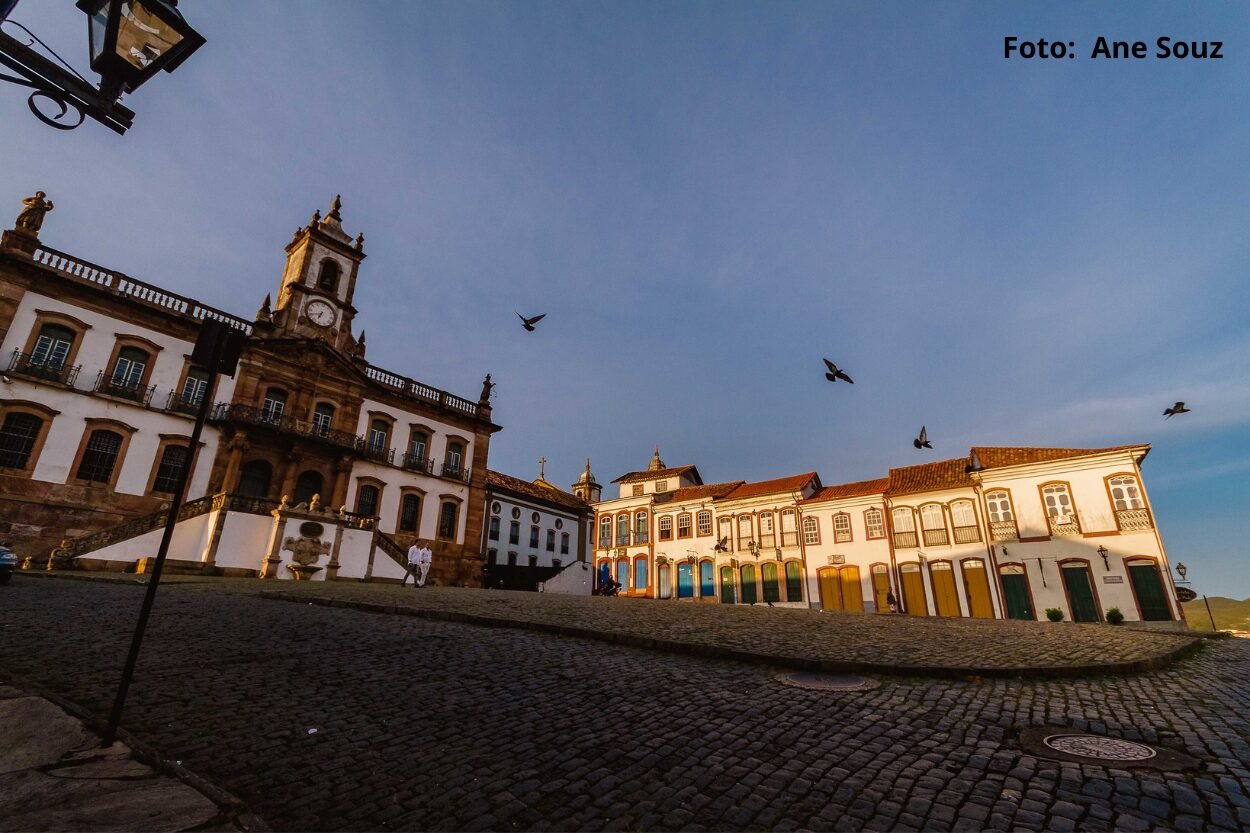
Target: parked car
8,563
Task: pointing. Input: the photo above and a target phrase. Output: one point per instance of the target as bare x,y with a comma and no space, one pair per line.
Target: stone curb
1190,646
233,810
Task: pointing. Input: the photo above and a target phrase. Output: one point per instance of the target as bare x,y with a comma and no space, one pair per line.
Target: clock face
320,313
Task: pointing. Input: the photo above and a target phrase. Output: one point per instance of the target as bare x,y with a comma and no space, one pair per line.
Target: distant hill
1229,614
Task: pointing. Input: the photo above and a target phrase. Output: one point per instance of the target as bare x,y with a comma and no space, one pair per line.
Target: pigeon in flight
721,545
923,440
528,323
1178,408
835,373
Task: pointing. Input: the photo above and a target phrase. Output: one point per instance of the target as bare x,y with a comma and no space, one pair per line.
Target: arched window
666,528
725,533
418,449
52,346
841,528
274,406
194,388
904,527
367,500
999,504
448,514
309,483
605,532
514,532
100,456
17,439
328,277
129,369
933,522
254,479
379,435
703,523
455,457
746,532
789,528
323,418
1124,492
964,520
169,470
551,540
564,543
640,573
768,531
410,516
794,582
640,528
874,523
622,530
1060,511
811,531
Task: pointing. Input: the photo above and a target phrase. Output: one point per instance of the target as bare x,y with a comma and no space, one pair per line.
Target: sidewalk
55,776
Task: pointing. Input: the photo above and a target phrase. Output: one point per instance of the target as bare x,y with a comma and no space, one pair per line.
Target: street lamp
754,548
129,41
1103,552
1181,570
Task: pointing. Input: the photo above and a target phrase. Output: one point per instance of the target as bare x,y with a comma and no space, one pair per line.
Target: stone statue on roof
31,218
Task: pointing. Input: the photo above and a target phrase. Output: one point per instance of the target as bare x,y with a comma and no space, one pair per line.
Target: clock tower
315,300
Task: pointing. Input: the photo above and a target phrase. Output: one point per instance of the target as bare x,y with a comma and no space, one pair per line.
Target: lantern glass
142,35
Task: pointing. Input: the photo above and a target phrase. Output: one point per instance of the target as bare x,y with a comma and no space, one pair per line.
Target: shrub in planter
1054,614
1114,616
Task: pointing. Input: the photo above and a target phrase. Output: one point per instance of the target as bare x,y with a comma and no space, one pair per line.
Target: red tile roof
535,491
715,491
857,489
656,474
995,457
793,483
929,477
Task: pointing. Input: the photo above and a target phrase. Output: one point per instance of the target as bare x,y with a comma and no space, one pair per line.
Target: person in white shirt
414,564
424,564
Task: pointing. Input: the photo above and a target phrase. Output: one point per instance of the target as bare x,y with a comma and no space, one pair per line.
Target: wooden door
1080,593
1151,601
748,585
830,589
727,595
1016,593
881,587
913,589
852,590
685,580
663,579
945,597
977,585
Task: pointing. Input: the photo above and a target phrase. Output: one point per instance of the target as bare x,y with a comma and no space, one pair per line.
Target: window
17,439
605,532
768,537
564,543
254,479
933,523
323,418
1124,493
194,387
516,513
745,531
875,523
789,528
493,558
703,523
494,529
811,531
410,515
534,537
447,520
661,485
328,279
725,533
535,517
496,508
841,528
169,470
1058,502
636,491
622,530
514,533
533,561
129,369
640,527
683,526
275,404
559,523
666,528
100,456
308,484
455,457
379,435
964,520
551,540
904,527
794,582
52,346
999,504
511,559
367,500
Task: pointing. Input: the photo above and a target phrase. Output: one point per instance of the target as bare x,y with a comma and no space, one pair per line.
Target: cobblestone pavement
436,725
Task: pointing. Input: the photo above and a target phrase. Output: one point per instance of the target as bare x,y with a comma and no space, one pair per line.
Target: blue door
707,580
685,581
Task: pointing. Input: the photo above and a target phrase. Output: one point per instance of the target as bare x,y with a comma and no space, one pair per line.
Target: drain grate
1099,748
817,681
1066,743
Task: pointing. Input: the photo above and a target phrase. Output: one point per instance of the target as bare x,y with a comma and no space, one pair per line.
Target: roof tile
676,471
857,489
548,493
767,487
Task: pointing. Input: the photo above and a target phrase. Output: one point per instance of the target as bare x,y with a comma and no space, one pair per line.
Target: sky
706,199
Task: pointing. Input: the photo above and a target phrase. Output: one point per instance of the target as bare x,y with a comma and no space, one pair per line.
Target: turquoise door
707,580
685,580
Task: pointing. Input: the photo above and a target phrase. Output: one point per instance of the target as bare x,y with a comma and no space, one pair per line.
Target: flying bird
835,373
721,544
528,323
1178,408
923,440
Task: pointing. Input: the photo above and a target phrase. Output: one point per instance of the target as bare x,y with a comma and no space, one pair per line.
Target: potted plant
1054,614
1114,616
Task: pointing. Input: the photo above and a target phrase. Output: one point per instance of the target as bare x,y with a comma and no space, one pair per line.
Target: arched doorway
913,589
977,586
1152,600
727,595
664,579
748,585
945,598
1016,593
772,591
1080,591
881,587
308,484
685,580
707,580
254,479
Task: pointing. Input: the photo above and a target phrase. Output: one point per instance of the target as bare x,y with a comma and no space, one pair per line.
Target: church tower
315,300
586,488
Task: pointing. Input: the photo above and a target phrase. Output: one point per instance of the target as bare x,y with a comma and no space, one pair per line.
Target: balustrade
1133,520
905,539
24,364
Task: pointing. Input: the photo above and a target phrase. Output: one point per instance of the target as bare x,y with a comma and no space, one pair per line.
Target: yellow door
881,587
830,590
977,583
913,589
945,599
852,590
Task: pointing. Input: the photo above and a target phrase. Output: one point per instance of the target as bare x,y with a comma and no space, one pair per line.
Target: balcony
1003,531
24,364
641,537
178,403
377,453
905,539
967,534
417,463
790,539
454,471
936,538
110,386
622,540
226,412
1064,526
1134,520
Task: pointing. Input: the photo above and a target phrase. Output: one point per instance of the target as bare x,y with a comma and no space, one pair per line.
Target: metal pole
1208,604
201,416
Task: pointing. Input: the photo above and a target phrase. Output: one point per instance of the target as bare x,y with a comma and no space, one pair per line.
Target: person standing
414,564
427,558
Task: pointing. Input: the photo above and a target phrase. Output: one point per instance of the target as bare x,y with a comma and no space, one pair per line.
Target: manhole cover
826,682
1097,747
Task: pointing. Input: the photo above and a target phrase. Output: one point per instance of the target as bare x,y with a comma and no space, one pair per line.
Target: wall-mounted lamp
1103,552
921,558
1181,570
754,548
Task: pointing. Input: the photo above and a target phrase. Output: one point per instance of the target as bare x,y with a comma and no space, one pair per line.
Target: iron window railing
935,538
416,462
967,534
905,539
181,403
109,386
455,472
24,364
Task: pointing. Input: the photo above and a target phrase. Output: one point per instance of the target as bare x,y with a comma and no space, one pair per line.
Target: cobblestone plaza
425,724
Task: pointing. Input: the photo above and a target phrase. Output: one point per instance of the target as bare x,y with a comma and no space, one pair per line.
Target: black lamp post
129,42
1103,552
1181,570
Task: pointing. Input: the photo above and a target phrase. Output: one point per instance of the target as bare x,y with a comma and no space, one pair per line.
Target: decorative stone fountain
306,550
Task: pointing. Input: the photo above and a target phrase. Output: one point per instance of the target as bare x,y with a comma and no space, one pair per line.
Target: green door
727,585
748,585
1016,594
1080,594
772,592
1150,598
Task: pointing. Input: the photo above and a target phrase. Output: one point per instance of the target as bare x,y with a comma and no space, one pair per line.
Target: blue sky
706,198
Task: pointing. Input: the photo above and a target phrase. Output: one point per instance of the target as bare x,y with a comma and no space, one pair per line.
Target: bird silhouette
923,440
528,323
974,463
770,604
835,373
721,544
1178,408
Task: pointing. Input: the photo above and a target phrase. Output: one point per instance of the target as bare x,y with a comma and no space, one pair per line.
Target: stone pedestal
20,241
